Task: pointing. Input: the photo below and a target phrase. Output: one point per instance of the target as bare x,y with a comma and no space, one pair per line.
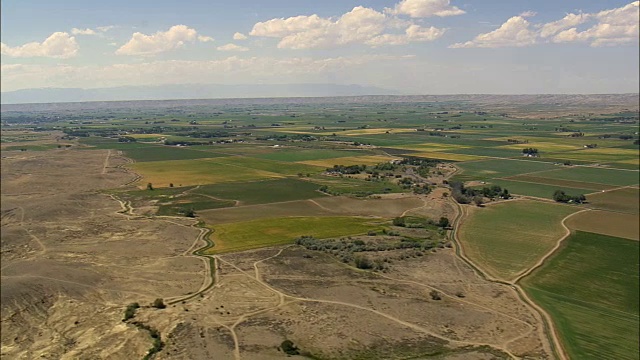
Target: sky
409,46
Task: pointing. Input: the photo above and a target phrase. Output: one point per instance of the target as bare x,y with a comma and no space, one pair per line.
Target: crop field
593,175
559,183
277,231
350,160
292,155
445,156
623,200
164,153
508,238
497,168
262,192
533,189
610,223
591,289
272,166
196,172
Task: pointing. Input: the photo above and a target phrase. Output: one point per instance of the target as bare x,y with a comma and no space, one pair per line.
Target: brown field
625,200
560,183
607,223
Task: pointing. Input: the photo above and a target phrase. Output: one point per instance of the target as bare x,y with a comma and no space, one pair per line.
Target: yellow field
195,172
146,136
542,146
445,156
351,160
606,223
635,161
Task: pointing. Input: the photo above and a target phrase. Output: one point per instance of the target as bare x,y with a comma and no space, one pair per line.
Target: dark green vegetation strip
591,289
534,189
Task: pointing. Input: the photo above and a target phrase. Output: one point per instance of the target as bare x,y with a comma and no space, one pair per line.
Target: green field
277,167
508,238
277,231
594,175
534,189
196,172
497,168
262,192
294,154
591,289
164,153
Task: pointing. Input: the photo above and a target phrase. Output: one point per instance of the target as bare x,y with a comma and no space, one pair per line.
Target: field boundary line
547,324
553,250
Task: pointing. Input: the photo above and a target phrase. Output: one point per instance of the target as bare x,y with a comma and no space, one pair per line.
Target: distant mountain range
187,91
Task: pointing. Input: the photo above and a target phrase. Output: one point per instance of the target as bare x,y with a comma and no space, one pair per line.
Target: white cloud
426,8
361,25
239,36
614,27
202,38
608,28
514,32
105,28
161,41
58,45
412,33
232,47
87,31
566,22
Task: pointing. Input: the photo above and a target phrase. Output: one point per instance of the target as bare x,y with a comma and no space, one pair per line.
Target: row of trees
465,195
561,196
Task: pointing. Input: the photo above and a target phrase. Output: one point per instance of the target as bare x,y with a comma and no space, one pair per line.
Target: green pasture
196,172
163,153
277,231
272,166
593,175
508,238
497,168
591,289
263,192
533,189
292,155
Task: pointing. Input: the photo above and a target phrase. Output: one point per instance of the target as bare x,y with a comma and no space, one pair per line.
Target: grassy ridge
591,289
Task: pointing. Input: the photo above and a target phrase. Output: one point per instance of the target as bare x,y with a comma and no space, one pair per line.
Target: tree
289,348
149,186
190,213
443,223
363,262
159,304
478,200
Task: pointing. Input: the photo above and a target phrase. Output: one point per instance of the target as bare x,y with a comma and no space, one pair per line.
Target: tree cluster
347,169
530,151
561,196
465,195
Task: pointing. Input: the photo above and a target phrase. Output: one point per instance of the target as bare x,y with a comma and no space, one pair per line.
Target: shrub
363,262
159,304
289,348
435,295
130,311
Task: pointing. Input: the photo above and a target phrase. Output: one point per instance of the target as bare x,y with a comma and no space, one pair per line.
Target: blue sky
412,46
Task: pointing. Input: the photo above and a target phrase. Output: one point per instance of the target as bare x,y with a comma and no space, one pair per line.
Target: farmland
591,289
278,231
395,267
507,239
